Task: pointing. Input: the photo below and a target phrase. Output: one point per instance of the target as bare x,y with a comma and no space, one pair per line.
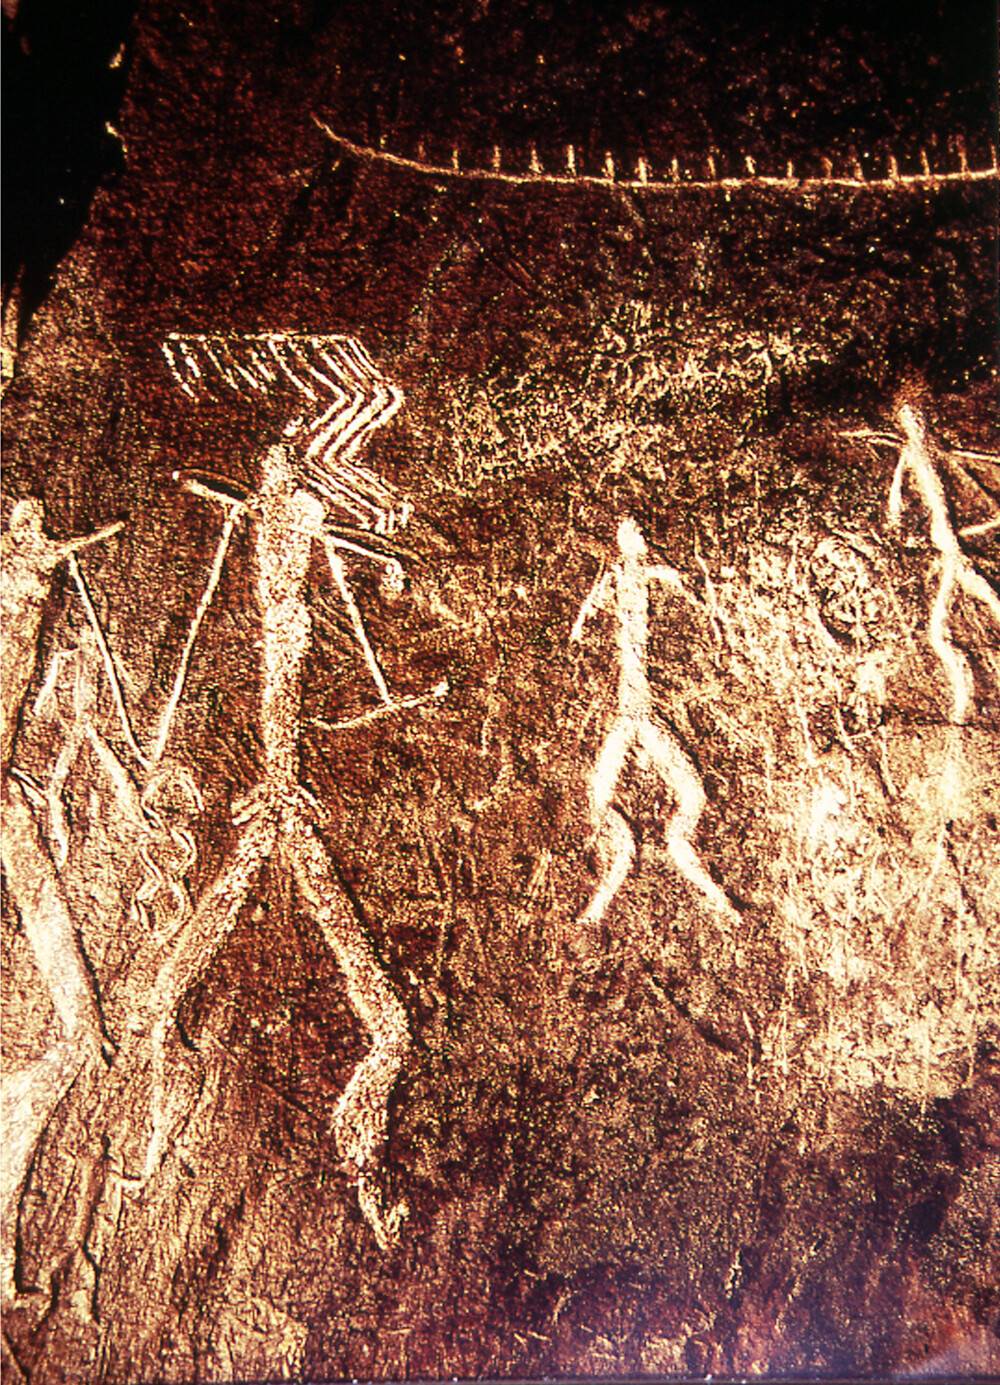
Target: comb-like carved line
678,181
276,345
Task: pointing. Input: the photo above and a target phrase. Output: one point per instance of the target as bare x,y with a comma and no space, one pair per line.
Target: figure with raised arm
279,821
31,1093
312,493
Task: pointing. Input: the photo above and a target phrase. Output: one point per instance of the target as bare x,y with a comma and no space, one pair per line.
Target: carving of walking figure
279,820
30,1094
635,731
346,398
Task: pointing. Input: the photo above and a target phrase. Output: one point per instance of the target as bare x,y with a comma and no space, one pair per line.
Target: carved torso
288,522
632,611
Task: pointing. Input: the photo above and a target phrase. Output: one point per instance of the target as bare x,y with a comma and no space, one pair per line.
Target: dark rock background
600,1180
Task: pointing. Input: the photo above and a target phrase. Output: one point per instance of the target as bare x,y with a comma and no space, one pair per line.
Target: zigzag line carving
344,395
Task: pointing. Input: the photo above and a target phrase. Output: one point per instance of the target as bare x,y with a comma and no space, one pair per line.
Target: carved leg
29,1097
361,1118
613,838
45,916
58,829
31,1094
182,961
681,776
615,847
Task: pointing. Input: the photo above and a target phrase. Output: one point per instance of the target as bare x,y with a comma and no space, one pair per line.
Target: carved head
27,516
630,540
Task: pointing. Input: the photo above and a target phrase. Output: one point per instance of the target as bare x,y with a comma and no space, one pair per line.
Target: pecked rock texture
688,882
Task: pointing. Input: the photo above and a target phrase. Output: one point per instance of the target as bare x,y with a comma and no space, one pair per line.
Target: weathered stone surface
742,1121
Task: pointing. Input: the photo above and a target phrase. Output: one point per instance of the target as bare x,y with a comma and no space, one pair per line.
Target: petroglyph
815,623
78,664
29,561
345,396
956,570
679,181
31,1094
159,802
656,969
879,828
160,837
288,521
919,467
233,516
635,731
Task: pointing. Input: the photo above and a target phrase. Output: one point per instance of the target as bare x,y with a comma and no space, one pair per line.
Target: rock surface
742,1121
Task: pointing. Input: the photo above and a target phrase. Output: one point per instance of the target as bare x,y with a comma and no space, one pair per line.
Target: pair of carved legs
613,839
279,828
284,829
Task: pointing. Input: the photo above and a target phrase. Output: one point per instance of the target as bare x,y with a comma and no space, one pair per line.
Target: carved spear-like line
236,511
110,667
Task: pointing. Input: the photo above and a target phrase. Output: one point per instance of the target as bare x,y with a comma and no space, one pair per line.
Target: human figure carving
279,821
30,1094
956,570
334,397
29,559
635,731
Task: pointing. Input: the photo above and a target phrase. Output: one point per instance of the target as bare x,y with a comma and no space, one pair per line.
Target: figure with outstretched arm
29,560
30,1094
636,731
278,821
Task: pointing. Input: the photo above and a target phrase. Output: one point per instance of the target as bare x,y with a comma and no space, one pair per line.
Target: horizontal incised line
677,182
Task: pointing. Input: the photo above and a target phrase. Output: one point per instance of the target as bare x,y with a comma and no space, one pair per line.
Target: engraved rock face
500,803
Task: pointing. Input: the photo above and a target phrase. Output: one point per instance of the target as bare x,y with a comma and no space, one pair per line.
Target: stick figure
29,560
635,730
30,1094
957,572
279,820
